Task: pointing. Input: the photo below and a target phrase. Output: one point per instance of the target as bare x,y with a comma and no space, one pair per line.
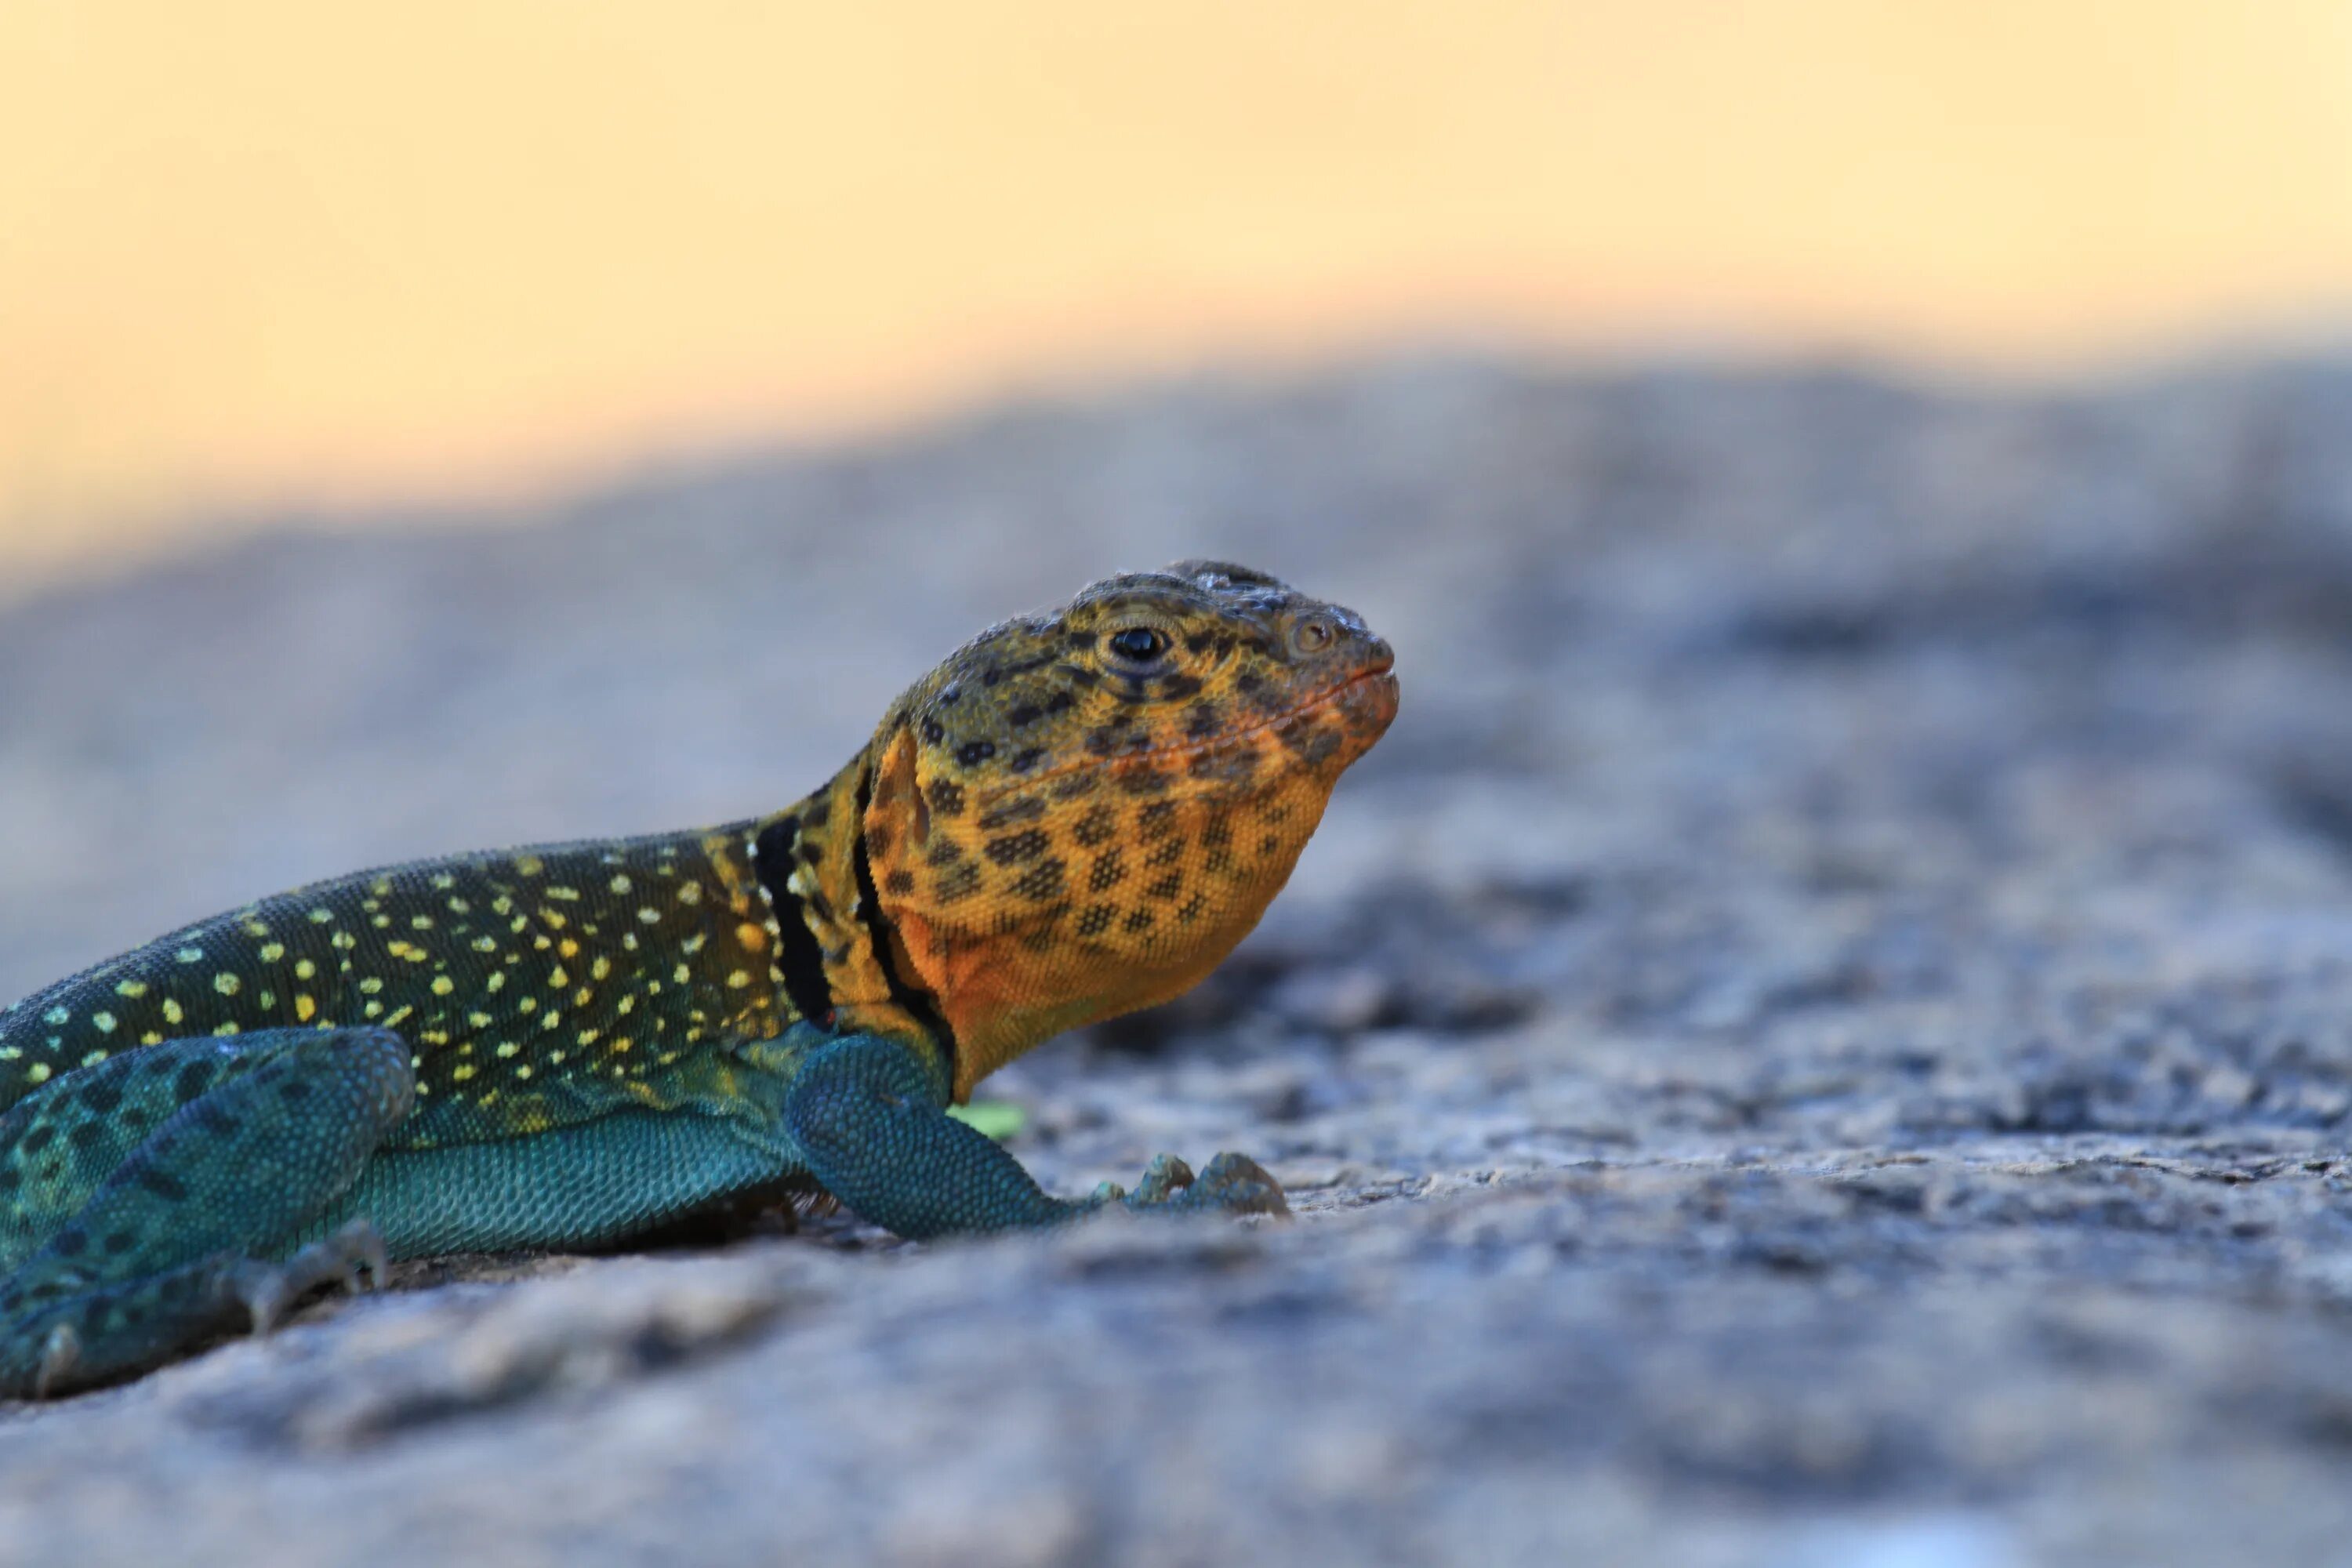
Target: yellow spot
380,887
556,1058
478,1020
321,917
508,1049
442,986
737,979
460,906
463,1071
496,982
190,956
56,1016
752,936
629,941
398,1016
693,945
569,948
420,922
271,951
305,1009
171,1011
621,884
528,1005
444,880
134,988
581,997
554,918
689,893
304,969
343,940
372,1010
38,1073
254,928
228,985
681,974
569,895
381,922
650,916
626,1005
104,1022
523,1071
557,978
485,944
600,969
589,1036
225,1029
621,1043
150,1037
372,984
502,905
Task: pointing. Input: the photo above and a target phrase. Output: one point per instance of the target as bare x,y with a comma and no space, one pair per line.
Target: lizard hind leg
221,1151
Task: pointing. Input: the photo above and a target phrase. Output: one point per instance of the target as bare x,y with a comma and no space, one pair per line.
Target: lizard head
1081,811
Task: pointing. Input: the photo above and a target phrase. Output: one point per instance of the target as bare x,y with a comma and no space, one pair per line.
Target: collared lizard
1078,813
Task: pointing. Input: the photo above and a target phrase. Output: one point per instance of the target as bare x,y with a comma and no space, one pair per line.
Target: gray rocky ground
1823,1035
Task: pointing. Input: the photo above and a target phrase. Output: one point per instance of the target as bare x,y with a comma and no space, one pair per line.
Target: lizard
1077,814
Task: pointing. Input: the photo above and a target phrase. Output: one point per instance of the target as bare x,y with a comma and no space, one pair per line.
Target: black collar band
798,956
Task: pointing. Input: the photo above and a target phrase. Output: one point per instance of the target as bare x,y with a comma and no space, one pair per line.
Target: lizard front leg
872,1122
139,1196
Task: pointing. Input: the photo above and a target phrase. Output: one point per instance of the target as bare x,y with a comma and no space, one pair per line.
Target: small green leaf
992,1119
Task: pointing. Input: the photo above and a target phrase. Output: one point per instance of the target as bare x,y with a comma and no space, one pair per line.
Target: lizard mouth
1367,700
1367,696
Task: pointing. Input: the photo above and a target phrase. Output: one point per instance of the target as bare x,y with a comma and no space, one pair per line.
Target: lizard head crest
1081,811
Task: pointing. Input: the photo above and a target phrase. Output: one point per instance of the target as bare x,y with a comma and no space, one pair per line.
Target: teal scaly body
1077,814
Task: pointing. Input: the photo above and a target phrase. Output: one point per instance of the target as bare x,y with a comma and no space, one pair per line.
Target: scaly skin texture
1078,813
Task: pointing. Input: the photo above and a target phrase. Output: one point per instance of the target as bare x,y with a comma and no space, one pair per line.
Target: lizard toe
353,1254
1163,1179
58,1359
1236,1183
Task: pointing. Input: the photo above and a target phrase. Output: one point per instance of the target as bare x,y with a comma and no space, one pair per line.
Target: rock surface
1825,1034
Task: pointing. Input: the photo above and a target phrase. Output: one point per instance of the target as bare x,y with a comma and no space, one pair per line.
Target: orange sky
262,249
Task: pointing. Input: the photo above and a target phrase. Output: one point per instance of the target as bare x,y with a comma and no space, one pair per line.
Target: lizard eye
1137,645
1312,636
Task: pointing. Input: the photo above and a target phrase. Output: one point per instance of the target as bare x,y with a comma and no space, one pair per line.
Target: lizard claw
57,1358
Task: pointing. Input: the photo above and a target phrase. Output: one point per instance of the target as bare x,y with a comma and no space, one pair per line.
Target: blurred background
263,254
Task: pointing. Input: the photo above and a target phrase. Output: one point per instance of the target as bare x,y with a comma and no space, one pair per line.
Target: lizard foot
1231,1184
268,1289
